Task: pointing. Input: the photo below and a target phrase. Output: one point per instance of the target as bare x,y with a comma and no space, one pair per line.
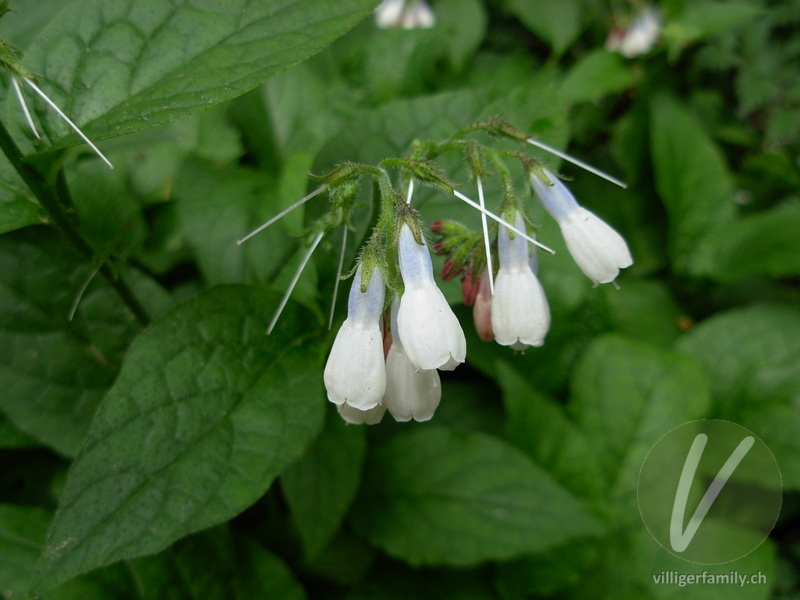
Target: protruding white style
306,257
354,416
25,110
408,14
432,336
576,161
493,216
596,247
338,277
640,37
411,393
355,373
282,214
487,243
520,314
61,114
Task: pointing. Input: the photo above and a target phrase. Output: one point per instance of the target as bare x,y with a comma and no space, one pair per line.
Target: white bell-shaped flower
408,14
355,373
432,336
354,416
596,247
520,313
411,393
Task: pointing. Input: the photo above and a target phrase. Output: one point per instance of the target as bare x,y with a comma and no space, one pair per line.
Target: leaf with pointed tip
118,66
320,487
205,413
435,496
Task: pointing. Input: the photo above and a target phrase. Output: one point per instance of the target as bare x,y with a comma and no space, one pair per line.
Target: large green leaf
435,496
558,23
218,206
635,567
542,428
320,487
18,209
22,531
761,244
596,75
752,357
118,66
54,370
692,179
215,565
625,396
12,437
206,412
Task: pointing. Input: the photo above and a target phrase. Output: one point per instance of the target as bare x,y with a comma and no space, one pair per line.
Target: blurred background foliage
523,485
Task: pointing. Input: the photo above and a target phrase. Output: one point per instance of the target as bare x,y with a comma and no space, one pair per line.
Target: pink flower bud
482,309
469,287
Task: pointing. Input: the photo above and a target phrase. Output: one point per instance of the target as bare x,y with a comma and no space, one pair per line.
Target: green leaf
18,208
762,244
644,310
558,23
630,565
118,66
625,396
218,206
216,565
394,581
206,412
693,181
541,427
752,357
109,215
55,370
595,75
22,533
704,19
463,23
12,437
435,496
320,487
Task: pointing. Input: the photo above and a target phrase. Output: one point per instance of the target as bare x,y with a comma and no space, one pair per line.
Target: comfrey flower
355,373
408,14
520,314
640,37
595,246
355,416
411,393
431,334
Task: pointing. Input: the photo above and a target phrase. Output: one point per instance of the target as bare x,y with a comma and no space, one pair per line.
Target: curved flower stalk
520,313
411,393
355,373
431,334
408,14
596,247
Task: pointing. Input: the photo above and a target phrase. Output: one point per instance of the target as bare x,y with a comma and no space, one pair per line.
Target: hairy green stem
48,198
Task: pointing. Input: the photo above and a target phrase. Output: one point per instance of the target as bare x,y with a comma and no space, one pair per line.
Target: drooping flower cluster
425,336
400,330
